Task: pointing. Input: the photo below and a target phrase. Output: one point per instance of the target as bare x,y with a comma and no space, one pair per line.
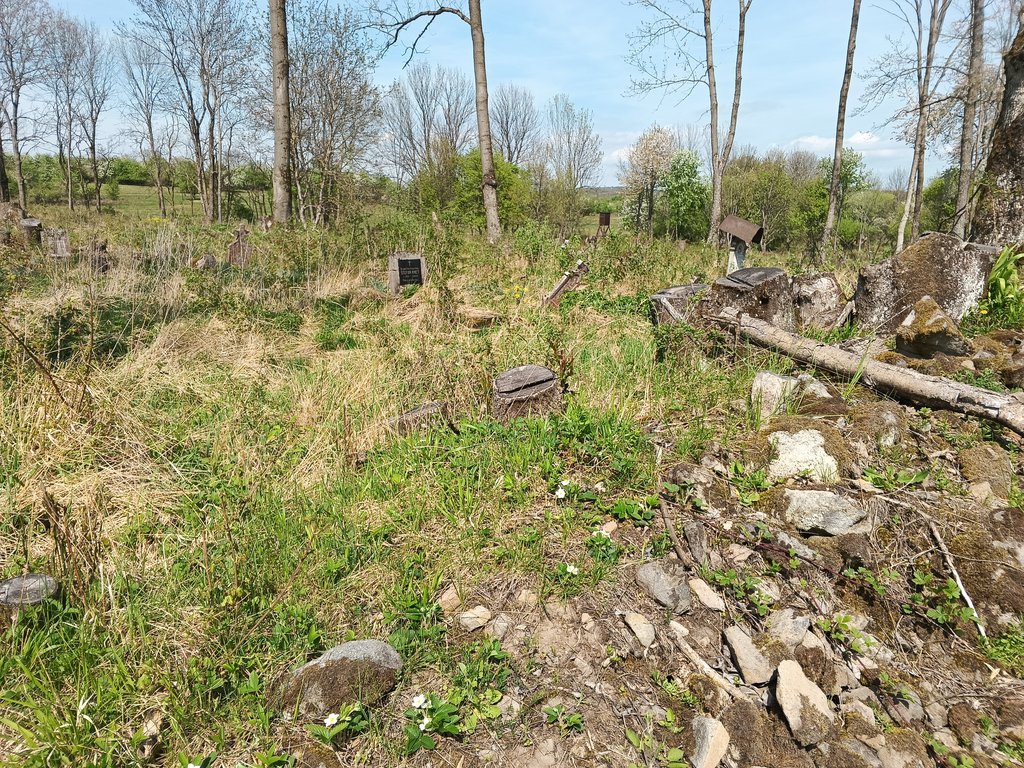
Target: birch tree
64,73
663,52
145,90
828,234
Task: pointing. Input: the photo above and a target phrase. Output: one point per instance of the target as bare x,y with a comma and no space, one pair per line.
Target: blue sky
793,67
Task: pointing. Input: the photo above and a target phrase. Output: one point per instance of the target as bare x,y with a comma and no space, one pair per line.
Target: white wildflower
419,701
572,570
560,493
564,483
332,719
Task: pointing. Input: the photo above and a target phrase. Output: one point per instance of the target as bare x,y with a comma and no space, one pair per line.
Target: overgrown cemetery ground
203,460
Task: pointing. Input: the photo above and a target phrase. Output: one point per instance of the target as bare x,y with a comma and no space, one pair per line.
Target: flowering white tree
643,170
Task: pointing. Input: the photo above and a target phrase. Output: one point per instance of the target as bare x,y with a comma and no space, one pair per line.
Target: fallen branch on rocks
918,388
956,574
702,666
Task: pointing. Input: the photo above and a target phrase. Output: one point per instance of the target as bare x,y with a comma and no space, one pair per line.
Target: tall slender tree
23,39
395,20
968,133
828,234
282,111
674,25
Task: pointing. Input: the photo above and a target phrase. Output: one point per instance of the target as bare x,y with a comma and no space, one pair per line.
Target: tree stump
763,293
31,232
673,305
22,591
529,390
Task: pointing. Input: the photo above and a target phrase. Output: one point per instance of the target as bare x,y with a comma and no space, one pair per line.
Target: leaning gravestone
423,417
529,390
675,304
22,591
763,293
240,250
405,269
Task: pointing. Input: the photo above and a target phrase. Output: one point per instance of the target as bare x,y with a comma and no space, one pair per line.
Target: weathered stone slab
30,589
819,301
405,269
423,417
937,265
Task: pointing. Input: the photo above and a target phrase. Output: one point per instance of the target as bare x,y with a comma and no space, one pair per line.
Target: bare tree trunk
19,167
908,205
968,134
5,189
720,152
827,235
716,167
94,162
282,112
483,124
932,391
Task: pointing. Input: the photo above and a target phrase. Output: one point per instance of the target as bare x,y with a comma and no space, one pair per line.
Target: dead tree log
918,388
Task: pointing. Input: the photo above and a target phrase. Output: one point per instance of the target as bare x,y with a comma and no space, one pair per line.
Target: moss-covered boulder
928,331
954,274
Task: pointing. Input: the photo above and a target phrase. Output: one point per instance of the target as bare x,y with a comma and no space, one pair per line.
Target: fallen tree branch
706,669
956,574
918,388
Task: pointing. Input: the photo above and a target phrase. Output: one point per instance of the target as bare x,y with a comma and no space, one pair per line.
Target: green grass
226,429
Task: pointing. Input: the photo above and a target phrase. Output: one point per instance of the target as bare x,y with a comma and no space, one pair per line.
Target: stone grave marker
674,304
405,269
760,292
529,390
58,243
240,250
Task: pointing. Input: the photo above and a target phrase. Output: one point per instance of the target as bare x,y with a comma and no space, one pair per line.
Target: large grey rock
788,628
666,584
804,705
819,301
820,512
802,453
753,665
770,392
928,331
361,670
937,265
712,742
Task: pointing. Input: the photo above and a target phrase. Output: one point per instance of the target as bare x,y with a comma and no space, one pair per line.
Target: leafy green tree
687,197
940,201
514,192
